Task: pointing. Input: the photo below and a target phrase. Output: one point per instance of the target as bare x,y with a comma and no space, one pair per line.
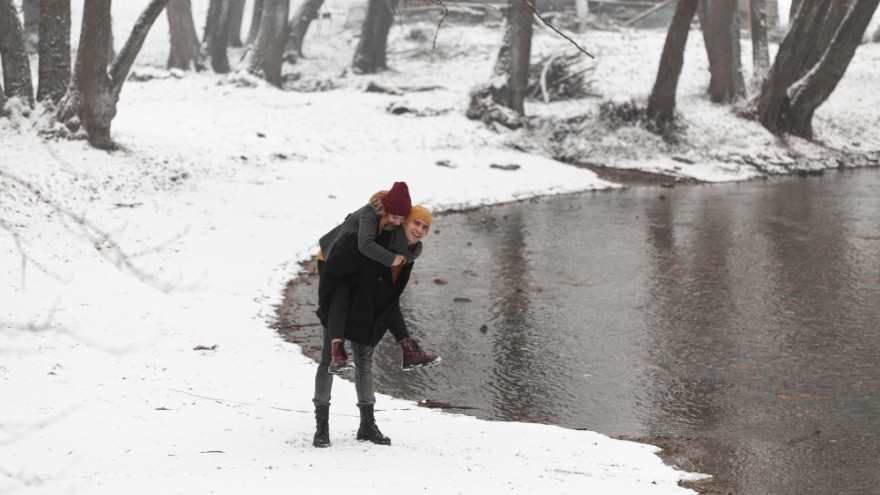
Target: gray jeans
363,375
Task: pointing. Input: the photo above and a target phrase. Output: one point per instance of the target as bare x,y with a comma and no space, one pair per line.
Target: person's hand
399,259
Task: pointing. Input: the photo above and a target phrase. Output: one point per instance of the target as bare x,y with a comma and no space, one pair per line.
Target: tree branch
122,65
102,241
531,6
573,42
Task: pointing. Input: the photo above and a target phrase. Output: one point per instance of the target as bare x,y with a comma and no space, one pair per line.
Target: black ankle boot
368,429
322,427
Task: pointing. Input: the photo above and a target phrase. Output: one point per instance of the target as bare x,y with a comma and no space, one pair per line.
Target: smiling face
395,219
415,230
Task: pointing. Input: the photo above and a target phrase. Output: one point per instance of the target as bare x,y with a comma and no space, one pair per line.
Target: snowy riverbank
138,285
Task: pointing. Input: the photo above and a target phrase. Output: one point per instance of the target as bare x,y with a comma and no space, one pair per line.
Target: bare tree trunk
370,54
256,16
520,21
31,10
87,100
806,70
792,10
792,92
185,48
502,100
236,13
267,55
720,21
661,103
828,24
302,18
501,69
94,90
760,48
217,35
16,66
54,68
111,45
790,63
876,37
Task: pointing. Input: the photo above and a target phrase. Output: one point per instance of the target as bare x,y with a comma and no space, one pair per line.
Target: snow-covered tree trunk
16,66
94,90
302,18
661,102
185,51
216,38
876,37
371,52
256,17
54,65
800,80
265,58
236,13
760,48
720,21
815,45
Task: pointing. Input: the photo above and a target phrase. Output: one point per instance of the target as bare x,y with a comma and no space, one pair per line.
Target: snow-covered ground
138,285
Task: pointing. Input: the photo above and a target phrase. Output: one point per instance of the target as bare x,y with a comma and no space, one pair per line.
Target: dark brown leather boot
415,357
340,363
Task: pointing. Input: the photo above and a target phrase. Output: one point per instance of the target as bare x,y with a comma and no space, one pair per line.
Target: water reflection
756,320
739,319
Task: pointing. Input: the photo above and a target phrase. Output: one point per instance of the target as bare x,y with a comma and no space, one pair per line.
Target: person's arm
398,245
414,251
368,230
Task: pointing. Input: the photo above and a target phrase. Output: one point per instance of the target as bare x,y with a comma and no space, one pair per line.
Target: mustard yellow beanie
420,212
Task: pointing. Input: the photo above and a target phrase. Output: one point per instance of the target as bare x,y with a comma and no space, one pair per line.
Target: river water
736,325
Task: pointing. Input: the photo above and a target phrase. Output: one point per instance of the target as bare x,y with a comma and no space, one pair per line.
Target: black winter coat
374,296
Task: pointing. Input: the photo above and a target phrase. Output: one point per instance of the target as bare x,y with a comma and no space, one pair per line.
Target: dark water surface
738,321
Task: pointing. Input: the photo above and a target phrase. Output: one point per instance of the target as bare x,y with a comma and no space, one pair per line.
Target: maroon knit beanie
396,201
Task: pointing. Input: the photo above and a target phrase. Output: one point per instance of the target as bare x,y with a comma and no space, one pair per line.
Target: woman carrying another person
372,296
